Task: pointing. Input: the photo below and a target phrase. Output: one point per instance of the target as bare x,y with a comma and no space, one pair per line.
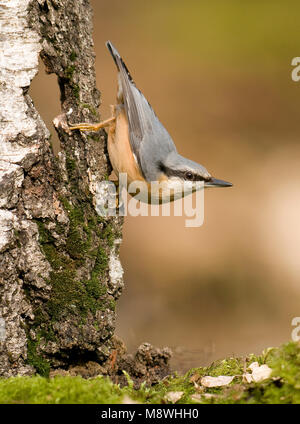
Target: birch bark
60,273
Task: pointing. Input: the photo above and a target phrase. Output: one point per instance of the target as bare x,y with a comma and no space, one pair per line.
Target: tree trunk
60,274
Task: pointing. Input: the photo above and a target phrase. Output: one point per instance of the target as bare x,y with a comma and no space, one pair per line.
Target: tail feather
118,60
136,105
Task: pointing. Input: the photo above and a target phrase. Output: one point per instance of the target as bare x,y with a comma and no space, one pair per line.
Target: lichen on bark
60,274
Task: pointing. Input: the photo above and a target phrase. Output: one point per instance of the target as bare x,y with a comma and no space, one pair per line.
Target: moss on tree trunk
57,286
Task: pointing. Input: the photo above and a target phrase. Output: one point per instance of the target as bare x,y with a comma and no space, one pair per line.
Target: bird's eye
189,176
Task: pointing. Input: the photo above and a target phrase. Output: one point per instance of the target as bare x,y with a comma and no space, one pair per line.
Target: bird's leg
85,126
116,184
119,200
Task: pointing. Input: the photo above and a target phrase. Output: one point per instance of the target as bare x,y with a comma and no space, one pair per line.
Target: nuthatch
140,146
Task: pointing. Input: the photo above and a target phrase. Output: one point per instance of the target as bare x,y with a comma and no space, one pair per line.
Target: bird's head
179,170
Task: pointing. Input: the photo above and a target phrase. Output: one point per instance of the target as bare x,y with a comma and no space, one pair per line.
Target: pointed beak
214,182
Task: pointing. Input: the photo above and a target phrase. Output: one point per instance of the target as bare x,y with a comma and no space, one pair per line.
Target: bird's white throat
159,192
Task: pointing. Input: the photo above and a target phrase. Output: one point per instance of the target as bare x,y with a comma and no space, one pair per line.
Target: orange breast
119,149
123,161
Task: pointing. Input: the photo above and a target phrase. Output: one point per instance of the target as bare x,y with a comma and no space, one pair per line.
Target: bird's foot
85,126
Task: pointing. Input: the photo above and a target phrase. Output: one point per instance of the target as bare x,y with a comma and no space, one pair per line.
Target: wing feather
149,139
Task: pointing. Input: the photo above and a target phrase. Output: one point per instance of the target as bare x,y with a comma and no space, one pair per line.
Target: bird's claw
85,126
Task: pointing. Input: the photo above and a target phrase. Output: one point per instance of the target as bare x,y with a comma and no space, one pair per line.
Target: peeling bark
60,273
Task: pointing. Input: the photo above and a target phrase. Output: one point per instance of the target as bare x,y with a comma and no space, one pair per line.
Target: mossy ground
282,387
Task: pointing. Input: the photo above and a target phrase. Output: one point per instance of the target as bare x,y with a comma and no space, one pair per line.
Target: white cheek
176,185
189,187
172,183
184,188
179,187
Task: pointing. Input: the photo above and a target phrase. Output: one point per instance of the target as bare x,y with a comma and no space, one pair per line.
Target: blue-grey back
150,141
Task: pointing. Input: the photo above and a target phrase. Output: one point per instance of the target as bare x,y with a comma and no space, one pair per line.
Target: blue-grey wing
150,141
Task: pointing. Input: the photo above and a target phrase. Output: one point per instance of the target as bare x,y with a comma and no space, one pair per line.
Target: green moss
72,296
90,108
41,365
108,234
17,238
70,71
94,137
54,258
62,390
87,240
70,165
76,90
44,234
283,387
112,305
231,366
69,294
73,56
76,245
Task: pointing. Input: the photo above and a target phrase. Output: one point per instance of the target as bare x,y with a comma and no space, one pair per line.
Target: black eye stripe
181,174
199,178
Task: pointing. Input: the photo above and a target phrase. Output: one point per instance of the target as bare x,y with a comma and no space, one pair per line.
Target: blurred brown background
218,75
